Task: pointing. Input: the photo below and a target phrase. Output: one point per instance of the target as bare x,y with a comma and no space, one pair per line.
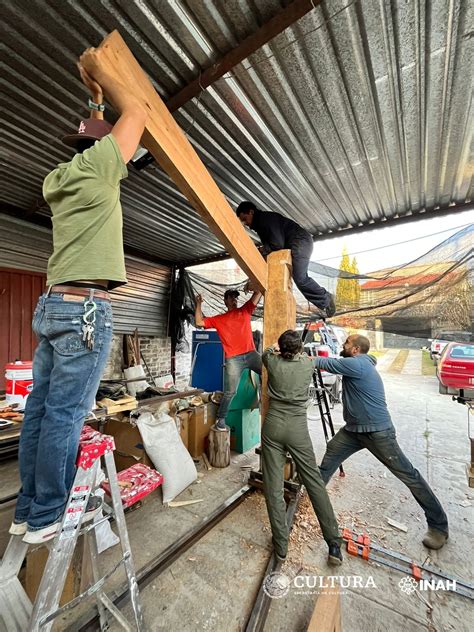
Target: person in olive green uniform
286,430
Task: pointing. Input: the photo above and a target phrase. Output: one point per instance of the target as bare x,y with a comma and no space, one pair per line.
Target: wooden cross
174,153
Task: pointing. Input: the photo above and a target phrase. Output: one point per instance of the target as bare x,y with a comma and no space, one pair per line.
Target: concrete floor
213,585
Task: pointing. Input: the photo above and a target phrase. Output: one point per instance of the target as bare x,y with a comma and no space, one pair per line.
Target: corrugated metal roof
358,113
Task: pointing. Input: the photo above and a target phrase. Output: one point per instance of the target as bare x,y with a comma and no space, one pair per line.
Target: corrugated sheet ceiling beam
276,25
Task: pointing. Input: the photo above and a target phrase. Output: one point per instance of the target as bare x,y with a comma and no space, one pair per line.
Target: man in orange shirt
235,332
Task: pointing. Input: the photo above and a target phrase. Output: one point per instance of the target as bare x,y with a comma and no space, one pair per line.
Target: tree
356,284
344,291
347,290
455,308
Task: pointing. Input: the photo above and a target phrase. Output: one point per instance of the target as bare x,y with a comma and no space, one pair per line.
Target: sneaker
220,425
331,306
38,536
435,539
334,554
94,505
18,528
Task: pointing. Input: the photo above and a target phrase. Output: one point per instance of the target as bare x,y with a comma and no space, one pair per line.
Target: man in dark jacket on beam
277,232
369,425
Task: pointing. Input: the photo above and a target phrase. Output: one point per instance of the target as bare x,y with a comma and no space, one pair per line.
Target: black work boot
280,558
334,555
331,306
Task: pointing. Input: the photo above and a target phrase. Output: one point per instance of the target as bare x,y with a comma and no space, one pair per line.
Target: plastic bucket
18,383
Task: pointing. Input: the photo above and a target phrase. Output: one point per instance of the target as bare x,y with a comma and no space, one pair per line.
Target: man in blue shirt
369,425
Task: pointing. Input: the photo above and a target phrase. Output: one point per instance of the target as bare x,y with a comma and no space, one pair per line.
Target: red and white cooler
18,383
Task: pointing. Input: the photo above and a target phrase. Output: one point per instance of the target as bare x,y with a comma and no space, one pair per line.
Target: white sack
168,453
140,385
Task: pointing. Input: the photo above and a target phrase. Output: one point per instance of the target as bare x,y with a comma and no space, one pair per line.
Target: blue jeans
384,446
232,373
66,376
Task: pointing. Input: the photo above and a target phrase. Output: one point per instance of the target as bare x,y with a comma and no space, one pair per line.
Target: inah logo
276,585
408,585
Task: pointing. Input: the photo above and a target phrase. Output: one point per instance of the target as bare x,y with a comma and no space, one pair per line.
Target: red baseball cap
92,129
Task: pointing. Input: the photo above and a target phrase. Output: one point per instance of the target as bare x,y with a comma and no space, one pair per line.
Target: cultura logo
276,585
408,585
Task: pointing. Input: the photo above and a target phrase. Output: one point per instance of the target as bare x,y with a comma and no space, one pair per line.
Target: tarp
420,298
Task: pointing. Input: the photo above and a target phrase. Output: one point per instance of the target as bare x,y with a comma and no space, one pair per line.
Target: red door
19,292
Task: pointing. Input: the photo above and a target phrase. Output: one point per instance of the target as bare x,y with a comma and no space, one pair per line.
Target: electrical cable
398,243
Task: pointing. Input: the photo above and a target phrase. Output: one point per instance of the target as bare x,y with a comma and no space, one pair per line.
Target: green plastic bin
243,416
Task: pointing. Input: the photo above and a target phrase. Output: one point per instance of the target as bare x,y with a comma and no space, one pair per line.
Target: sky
328,251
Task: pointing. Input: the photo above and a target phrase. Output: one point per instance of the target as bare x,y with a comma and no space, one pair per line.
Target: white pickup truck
444,338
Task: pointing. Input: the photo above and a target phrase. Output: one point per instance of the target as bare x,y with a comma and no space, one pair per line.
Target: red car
456,370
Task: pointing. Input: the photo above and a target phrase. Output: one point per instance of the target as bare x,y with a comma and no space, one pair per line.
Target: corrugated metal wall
142,303
19,292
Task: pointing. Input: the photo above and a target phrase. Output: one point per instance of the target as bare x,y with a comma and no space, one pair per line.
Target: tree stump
219,448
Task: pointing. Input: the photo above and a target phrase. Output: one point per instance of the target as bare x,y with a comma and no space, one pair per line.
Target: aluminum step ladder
318,392
17,613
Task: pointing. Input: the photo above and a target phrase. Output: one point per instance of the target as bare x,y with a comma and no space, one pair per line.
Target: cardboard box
78,577
201,419
182,424
129,448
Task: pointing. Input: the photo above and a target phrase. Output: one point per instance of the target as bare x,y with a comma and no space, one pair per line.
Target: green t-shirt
84,197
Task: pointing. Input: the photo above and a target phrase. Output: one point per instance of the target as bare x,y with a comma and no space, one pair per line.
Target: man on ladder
73,319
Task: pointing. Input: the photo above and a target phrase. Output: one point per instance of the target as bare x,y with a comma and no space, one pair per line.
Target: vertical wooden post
279,312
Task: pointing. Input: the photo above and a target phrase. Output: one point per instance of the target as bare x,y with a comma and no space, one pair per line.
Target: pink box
135,483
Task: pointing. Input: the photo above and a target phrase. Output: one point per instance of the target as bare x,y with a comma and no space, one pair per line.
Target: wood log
174,153
279,309
206,462
219,448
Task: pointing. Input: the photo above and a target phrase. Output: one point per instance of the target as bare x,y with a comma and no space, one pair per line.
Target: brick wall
183,370
157,354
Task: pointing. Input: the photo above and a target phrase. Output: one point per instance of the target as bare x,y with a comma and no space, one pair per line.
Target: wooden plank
276,25
166,142
280,307
327,613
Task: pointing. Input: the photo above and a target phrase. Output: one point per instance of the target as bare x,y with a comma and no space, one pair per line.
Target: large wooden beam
276,25
327,613
166,142
280,307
